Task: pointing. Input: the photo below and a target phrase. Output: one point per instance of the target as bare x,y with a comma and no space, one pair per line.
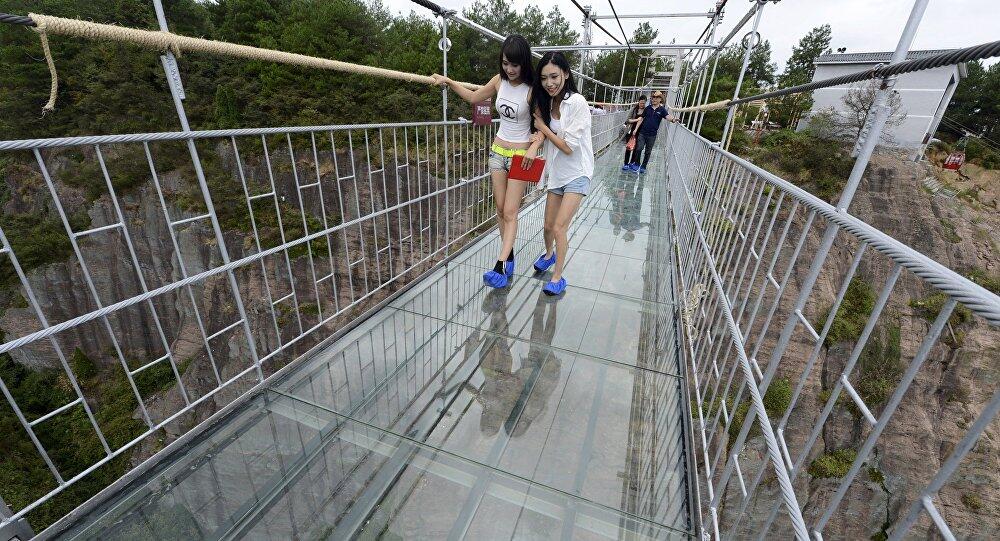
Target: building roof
873,58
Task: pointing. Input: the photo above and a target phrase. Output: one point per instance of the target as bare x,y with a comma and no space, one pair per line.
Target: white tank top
515,113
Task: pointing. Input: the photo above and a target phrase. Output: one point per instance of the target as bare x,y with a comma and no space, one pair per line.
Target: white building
924,94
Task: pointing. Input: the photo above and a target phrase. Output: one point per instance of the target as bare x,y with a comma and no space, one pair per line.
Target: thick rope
167,41
706,107
54,86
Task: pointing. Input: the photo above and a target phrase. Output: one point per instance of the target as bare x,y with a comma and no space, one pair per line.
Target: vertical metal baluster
90,286
326,225
305,225
180,263
281,231
343,216
138,272
357,208
373,220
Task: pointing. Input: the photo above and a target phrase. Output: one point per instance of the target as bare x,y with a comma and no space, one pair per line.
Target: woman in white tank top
512,89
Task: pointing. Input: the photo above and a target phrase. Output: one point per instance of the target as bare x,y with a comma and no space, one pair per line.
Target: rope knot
41,27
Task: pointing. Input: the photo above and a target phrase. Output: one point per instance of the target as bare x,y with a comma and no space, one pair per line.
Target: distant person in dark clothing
651,118
631,128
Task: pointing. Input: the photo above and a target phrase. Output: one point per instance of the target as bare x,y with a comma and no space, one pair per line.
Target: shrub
853,313
972,501
989,281
834,465
879,367
929,308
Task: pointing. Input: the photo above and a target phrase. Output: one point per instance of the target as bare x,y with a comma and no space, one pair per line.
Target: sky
859,25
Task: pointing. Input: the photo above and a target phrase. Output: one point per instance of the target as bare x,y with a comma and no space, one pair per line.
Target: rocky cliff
951,388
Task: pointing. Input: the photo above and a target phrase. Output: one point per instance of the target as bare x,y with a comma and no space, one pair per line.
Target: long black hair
540,99
517,51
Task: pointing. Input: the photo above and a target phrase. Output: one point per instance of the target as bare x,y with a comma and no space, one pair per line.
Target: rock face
355,265
950,389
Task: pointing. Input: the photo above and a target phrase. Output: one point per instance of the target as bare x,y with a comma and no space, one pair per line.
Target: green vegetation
975,109
950,233
929,308
879,368
834,465
859,300
989,281
69,437
776,401
875,475
972,502
815,163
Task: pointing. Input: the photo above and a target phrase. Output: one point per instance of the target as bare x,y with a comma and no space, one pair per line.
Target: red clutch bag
531,174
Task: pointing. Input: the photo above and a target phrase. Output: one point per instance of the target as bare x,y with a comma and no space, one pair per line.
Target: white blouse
574,127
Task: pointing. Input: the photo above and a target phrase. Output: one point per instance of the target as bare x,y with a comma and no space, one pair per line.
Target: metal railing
771,323
283,235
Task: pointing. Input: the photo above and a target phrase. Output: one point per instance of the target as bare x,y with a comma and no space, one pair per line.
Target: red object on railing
954,160
531,174
481,114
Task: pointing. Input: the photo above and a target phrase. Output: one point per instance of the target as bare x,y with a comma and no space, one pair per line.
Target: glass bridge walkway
462,412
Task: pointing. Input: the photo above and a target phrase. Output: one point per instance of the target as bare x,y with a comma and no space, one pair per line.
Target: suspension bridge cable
438,10
597,24
7,18
881,71
627,44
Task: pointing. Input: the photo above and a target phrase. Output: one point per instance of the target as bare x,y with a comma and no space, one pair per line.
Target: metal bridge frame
728,215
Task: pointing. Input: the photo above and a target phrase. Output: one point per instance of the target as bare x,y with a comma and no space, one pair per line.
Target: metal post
177,92
700,117
586,41
743,71
674,92
621,80
444,45
881,107
936,120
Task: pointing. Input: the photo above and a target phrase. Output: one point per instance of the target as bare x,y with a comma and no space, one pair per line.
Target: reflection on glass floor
461,412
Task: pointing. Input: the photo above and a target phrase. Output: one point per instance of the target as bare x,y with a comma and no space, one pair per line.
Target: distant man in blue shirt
654,114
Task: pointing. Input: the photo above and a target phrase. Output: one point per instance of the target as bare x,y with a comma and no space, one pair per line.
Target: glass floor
462,412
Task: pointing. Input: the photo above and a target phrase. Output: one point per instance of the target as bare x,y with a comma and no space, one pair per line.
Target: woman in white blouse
563,117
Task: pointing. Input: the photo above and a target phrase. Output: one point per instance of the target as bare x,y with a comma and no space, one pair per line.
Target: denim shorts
499,163
579,185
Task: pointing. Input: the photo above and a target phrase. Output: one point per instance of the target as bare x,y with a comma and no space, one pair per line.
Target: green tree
760,73
974,104
799,70
608,66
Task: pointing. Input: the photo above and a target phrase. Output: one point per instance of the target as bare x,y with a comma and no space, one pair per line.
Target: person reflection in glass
514,397
626,204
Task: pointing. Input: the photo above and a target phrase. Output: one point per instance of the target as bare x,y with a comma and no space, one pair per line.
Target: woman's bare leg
499,198
567,208
511,206
552,203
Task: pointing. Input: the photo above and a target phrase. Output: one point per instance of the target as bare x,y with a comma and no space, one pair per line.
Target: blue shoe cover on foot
555,288
494,279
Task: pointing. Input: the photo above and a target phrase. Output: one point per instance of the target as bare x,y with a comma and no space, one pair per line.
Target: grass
929,307
972,502
879,367
950,232
858,303
776,401
833,465
989,281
